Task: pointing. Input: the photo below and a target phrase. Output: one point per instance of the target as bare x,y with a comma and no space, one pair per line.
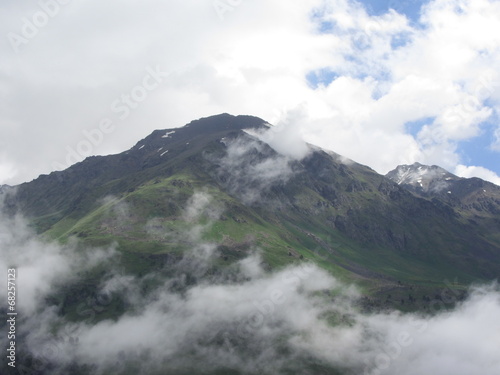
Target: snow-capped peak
422,177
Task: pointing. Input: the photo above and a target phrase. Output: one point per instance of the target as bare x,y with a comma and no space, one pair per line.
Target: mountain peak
205,126
224,122
473,194
174,141
423,178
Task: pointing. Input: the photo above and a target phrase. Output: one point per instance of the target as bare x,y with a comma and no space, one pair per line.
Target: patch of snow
449,192
167,135
161,148
163,153
140,148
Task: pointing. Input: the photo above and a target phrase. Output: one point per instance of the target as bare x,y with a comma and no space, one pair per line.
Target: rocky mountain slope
475,201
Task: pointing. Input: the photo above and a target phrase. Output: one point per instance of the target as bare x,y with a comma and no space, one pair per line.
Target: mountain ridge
345,216
479,197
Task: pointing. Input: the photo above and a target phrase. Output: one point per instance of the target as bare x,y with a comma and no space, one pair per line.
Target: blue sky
410,8
380,82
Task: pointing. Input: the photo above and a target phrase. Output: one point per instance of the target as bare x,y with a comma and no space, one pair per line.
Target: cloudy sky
383,82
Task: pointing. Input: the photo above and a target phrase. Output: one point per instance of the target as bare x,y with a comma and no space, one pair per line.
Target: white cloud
495,145
286,136
7,171
475,171
443,344
250,168
40,266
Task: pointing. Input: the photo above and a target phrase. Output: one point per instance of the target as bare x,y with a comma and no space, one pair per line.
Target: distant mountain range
413,228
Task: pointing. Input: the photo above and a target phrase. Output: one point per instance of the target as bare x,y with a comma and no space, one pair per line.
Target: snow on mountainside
478,197
423,178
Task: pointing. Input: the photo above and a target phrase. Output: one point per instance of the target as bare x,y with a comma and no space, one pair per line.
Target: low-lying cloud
42,265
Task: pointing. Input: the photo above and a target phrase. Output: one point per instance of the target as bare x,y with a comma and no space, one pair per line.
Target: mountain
410,230
475,201
471,194
423,179
203,250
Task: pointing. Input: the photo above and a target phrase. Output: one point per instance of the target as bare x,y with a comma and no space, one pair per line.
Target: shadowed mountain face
418,224
476,202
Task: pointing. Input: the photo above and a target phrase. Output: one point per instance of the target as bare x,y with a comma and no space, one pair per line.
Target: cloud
118,210
285,137
7,171
249,168
201,204
495,145
41,265
174,331
475,171
442,344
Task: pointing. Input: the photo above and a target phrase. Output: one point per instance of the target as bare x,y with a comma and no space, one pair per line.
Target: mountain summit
422,178
378,230
472,197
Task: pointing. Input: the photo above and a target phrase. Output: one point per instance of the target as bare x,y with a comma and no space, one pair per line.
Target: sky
381,82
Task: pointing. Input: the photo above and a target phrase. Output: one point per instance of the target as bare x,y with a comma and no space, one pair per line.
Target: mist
249,168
